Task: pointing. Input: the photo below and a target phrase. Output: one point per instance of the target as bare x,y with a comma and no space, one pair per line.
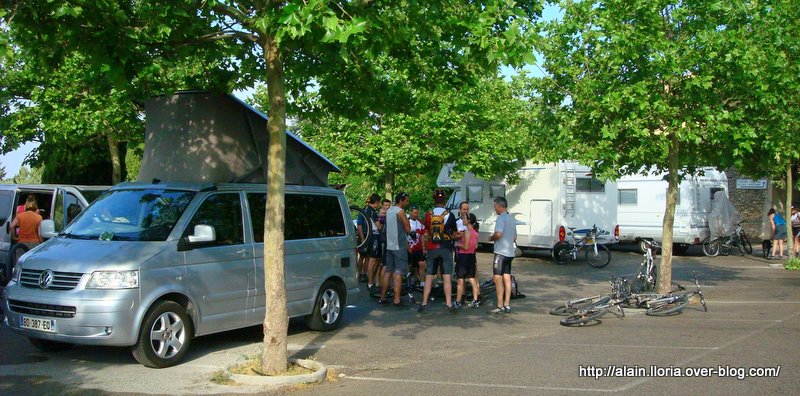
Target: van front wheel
164,337
328,308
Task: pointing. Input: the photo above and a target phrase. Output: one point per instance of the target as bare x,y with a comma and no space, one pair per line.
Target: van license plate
39,324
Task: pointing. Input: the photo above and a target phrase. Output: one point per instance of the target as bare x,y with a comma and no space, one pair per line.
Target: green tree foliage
651,85
27,175
484,128
49,94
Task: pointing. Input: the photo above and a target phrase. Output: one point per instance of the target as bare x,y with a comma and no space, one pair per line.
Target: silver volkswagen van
151,266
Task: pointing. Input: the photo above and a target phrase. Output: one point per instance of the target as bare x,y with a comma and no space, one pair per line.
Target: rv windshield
131,215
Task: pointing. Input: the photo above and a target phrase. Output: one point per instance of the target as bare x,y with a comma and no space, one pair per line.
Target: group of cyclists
433,246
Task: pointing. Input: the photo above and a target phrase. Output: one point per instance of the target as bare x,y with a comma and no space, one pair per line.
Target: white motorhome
547,200
642,200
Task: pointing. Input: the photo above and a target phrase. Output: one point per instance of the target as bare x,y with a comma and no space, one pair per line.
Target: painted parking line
481,385
584,345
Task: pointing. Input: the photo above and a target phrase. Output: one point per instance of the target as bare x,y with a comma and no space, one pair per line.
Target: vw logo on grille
46,279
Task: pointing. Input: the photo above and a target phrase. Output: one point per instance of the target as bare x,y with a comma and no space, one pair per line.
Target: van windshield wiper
74,236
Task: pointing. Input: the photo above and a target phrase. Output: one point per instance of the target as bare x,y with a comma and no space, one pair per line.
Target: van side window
73,207
258,208
313,216
224,213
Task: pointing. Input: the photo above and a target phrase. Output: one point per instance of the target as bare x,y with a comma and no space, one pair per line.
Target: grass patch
793,264
221,377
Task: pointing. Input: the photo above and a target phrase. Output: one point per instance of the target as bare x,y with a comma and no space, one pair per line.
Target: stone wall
754,204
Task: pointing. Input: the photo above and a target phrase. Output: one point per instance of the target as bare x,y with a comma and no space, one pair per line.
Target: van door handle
243,252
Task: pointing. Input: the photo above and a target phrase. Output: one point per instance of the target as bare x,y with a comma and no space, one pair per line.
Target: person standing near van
440,225
395,261
28,223
796,230
416,245
778,233
466,263
373,247
505,233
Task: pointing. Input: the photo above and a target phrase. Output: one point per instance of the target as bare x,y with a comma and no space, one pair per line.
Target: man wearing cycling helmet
440,225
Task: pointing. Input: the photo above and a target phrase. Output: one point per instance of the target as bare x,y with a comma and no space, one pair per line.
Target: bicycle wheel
745,240
359,216
711,247
724,247
667,307
574,306
584,316
600,259
562,252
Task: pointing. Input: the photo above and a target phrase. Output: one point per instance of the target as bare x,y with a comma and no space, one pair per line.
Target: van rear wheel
164,337
328,308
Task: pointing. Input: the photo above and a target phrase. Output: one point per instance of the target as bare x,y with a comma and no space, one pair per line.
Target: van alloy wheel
328,308
164,337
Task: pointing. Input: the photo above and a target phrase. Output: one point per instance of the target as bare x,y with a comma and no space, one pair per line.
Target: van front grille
46,310
61,280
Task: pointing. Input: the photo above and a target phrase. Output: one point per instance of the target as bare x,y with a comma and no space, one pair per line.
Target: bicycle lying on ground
595,254
738,242
676,302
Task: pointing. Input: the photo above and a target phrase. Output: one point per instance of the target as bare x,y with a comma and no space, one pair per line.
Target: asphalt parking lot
751,328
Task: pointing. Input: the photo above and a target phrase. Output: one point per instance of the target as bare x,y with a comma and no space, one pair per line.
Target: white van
546,202
643,198
60,203
150,266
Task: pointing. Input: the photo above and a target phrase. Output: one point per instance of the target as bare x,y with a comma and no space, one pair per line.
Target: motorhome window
629,197
585,184
313,216
224,213
713,190
474,193
497,190
131,215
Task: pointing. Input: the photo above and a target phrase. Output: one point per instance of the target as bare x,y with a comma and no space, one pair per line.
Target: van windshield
131,215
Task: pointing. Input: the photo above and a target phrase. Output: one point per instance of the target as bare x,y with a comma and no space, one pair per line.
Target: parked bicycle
676,302
738,243
595,254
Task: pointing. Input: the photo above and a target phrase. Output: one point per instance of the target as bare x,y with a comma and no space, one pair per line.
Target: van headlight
113,280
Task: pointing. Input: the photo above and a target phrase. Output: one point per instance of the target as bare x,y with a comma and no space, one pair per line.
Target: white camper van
548,199
643,199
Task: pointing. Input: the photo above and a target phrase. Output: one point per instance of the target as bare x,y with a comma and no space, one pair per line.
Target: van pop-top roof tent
195,136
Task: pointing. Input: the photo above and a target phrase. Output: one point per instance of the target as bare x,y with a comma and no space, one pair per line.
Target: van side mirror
47,229
203,233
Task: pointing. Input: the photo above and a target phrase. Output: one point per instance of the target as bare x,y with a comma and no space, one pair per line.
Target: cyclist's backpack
437,231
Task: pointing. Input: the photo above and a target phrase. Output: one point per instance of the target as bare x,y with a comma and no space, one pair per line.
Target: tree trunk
116,160
388,182
664,282
788,211
276,320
